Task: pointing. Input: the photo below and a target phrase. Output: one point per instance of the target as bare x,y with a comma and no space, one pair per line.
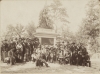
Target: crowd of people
24,50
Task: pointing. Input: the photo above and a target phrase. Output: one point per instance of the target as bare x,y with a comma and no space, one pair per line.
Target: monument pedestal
46,36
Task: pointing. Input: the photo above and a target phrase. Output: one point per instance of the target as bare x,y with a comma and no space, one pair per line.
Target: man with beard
19,50
74,58
61,57
87,60
36,42
31,47
79,54
11,56
72,50
24,47
38,55
73,47
13,45
84,52
27,51
2,51
48,55
80,59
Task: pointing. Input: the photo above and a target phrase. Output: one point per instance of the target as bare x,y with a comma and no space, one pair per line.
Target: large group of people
24,50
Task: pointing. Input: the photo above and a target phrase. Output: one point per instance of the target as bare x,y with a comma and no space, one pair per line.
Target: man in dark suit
87,60
79,62
73,47
11,56
72,50
4,50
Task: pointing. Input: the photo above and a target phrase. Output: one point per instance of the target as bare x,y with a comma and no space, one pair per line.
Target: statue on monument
45,20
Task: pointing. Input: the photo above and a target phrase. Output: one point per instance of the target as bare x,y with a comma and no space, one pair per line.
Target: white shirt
33,56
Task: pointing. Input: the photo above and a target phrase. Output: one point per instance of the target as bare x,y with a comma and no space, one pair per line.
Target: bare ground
54,68
30,67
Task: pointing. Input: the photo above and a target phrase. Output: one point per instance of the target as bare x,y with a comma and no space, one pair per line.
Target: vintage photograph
50,36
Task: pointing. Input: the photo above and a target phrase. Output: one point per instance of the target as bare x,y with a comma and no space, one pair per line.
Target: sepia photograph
50,36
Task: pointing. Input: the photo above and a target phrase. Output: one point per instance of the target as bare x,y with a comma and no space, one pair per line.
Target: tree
92,23
31,29
10,32
15,30
59,13
19,29
90,28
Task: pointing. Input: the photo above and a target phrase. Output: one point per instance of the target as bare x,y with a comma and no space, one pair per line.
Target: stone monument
46,36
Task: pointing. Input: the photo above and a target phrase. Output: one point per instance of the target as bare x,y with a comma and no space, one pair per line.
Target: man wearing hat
87,61
24,44
11,56
19,49
72,49
4,50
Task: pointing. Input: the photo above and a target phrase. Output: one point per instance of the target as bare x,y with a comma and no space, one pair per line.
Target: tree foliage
92,22
30,28
59,12
19,29
90,29
15,30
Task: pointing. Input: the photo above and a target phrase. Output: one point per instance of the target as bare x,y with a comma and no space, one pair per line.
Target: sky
27,11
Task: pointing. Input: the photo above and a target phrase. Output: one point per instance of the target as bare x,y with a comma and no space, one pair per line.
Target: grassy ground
54,68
